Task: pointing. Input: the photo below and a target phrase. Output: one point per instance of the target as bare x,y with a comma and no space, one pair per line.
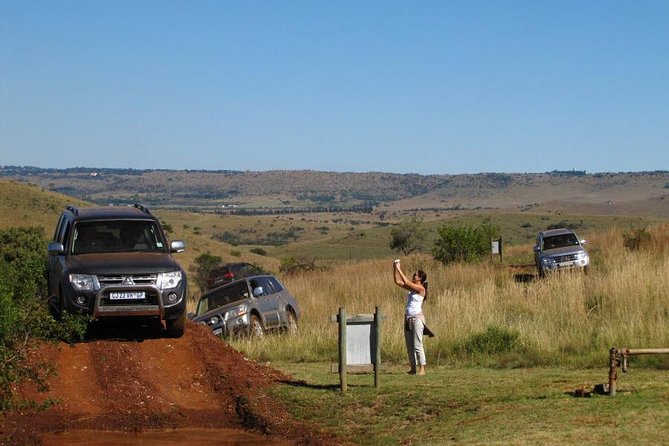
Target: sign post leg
342,350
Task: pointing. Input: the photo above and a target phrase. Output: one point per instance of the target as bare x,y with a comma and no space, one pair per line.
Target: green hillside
328,237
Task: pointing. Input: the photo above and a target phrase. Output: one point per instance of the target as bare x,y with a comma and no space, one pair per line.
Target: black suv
115,261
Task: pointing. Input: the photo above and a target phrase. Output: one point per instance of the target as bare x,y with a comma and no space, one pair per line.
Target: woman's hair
423,280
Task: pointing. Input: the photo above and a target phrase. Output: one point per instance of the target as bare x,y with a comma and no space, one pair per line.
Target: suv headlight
236,312
547,260
583,257
83,282
214,320
167,281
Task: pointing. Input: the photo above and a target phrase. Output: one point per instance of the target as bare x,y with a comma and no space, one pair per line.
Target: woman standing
414,320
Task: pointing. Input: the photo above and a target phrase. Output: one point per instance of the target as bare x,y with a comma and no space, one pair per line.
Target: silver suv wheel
257,330
292,323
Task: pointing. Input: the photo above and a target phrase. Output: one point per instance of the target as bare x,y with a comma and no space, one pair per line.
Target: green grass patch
480,406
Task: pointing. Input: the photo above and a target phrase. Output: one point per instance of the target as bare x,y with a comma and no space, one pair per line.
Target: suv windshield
222,296
560,241
117,236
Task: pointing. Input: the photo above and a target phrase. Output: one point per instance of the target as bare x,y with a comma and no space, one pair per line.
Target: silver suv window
262,286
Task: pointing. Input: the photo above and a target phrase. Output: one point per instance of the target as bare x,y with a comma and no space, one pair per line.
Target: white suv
558,249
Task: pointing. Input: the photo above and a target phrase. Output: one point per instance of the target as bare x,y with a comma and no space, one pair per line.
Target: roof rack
142,208
73,209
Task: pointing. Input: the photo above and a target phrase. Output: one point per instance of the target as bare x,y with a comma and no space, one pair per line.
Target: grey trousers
413,336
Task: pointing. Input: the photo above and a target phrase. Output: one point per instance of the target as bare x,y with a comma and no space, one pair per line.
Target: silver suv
558,249
248,306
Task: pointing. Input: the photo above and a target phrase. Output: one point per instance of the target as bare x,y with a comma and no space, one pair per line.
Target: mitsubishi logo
128,281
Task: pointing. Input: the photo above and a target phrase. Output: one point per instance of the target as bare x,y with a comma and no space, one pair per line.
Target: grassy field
510,355
509,349
492,313
481,406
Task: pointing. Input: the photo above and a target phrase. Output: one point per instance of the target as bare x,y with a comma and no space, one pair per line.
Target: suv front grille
128,280
566,258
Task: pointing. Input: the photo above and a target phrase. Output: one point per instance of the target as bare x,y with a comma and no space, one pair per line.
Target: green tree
408,236
464,243
23,254
202,267
23,309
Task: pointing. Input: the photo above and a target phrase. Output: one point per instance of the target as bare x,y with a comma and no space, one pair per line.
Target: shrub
409,236
23,254
23,310
259,251
636,239
492,340
293,265
464,243
203,265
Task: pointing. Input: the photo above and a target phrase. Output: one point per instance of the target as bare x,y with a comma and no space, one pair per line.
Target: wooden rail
618,357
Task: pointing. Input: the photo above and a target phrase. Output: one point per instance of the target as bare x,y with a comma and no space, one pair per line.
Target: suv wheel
256,328
57,306
176,327
291,326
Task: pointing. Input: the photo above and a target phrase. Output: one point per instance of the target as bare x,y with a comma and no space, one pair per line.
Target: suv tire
291,326
256,329
176,327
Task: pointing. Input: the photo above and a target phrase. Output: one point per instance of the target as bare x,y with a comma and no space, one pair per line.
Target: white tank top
414,304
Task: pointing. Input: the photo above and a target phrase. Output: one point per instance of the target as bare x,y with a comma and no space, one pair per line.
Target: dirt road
135,387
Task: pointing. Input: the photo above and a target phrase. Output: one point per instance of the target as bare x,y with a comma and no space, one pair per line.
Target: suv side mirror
55,248
537,249
177,246
583,242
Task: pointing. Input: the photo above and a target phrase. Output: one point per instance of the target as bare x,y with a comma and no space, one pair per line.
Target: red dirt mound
151,390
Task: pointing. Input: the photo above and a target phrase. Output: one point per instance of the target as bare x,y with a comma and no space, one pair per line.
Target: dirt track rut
147,387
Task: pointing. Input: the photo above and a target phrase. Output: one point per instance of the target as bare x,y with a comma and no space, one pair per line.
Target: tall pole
377,347
342,350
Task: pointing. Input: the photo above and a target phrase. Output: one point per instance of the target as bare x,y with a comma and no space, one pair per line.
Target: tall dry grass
567,318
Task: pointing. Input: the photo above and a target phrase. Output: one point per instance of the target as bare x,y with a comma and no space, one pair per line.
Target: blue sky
428,87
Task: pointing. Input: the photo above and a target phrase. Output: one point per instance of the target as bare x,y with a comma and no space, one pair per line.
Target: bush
408,236
464,243
22,283
23,310
636,239
23,261
493,340
259,251
293,265
202,267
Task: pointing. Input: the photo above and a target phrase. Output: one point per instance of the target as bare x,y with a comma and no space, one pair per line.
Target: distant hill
631,193
30,205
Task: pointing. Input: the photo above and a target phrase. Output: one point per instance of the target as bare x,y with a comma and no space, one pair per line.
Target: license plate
126,295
